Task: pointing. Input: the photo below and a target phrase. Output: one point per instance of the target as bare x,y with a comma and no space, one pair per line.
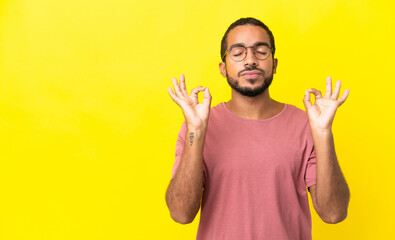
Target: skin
185,189
330,195
261,106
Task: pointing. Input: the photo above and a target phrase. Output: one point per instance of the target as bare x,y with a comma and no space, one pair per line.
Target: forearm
332,193
184,193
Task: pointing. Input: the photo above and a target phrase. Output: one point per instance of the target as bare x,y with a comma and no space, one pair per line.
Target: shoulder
295,123
218,111
296,117
218,108
295,112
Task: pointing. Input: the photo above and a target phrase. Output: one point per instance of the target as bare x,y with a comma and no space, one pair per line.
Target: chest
252,151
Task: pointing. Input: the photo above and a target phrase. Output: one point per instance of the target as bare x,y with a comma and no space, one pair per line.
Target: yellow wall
88,130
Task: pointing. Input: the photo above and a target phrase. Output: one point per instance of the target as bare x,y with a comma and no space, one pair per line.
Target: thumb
306,100
207,97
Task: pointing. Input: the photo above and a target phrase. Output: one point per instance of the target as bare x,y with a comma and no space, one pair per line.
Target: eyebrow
243,45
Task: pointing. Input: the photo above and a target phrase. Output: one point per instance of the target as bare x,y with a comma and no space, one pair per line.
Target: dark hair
241,22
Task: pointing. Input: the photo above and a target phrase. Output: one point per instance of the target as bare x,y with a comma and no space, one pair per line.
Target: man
248,161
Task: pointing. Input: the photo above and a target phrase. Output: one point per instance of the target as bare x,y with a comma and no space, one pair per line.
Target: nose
250,59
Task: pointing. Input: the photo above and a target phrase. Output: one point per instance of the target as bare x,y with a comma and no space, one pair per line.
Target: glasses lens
262,52
238,53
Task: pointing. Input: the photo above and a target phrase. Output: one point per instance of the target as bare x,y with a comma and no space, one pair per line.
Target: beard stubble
250,91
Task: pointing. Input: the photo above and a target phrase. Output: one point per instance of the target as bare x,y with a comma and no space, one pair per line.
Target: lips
251,74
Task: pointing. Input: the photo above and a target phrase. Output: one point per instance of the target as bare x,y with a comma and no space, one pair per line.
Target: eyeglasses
238,52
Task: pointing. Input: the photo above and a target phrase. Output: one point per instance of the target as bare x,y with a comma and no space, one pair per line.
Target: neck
257,108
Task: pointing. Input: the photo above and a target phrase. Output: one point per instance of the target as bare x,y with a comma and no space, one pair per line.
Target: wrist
193,127
196,129
321,132
321,129
195,136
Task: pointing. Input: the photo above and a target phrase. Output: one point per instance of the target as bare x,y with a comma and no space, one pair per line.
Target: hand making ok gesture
322,113
196,114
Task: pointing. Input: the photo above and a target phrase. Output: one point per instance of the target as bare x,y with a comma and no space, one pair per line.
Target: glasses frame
245,53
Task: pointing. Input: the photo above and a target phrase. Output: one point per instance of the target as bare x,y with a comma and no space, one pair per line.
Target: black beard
247,91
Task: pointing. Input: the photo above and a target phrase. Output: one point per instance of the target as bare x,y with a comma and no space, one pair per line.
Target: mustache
250,68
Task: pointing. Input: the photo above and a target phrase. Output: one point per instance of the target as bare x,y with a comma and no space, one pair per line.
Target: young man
248,162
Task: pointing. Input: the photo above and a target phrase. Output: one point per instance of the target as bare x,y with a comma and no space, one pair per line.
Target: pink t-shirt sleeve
311,170
311,167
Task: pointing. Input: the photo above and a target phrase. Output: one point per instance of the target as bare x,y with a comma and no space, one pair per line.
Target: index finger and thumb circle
306,100
206,94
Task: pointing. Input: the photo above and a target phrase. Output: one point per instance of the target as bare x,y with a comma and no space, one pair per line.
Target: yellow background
88,130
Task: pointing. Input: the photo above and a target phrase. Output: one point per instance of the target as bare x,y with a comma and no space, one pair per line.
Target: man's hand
184,194
330,195
195,113
322,113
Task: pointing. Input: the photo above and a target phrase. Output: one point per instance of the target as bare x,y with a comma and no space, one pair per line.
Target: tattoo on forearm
191,135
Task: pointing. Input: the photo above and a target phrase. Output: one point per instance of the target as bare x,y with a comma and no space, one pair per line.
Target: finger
194,94
306,100
172,95
182,85
336,92
343,98
317,93
328,89
207,97
177,87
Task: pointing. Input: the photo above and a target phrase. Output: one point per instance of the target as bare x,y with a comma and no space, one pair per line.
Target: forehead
248,35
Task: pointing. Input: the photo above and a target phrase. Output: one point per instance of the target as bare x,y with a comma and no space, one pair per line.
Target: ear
275,62
222,68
